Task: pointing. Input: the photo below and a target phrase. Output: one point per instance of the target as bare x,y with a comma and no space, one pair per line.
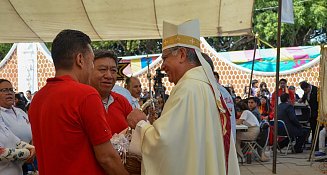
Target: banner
292,59
287,11
27,67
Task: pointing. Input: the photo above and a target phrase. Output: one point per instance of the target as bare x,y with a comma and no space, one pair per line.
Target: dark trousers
299,140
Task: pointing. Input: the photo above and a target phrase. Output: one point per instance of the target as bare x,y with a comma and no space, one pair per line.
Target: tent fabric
292,59
42,20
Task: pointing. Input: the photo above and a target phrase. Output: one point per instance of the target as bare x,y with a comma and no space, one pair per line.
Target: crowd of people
260,107
72,118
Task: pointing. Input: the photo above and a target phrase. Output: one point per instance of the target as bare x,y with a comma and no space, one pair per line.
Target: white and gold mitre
186,34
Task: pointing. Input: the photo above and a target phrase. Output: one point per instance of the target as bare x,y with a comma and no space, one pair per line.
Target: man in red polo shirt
103,79
283,89
69,128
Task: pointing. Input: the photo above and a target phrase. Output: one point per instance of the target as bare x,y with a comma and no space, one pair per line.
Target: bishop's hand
134,117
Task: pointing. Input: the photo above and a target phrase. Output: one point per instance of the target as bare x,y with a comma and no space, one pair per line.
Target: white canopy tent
41,20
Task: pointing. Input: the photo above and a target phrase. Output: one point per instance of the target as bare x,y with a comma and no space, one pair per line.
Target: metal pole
277,85
149,75
254,52
314,141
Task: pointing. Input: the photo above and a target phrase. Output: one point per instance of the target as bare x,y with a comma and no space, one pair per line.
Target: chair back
282,128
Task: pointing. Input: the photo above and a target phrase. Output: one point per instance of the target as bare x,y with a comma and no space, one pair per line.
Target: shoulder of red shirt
121,99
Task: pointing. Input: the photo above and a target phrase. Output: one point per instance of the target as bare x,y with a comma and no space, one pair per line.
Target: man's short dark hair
128,81
29,91
283,80
66,45
284,97
255,99
4,80
241,106
254,82
304,85
105,53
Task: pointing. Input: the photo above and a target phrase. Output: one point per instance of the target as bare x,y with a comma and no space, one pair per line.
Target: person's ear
79,60
183,55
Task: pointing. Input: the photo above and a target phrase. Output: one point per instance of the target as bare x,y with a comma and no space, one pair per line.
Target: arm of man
31,148
98,131
108,159
239,121
134,117
292,116
13,154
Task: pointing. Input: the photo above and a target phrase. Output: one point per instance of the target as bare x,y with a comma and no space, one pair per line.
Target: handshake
134,117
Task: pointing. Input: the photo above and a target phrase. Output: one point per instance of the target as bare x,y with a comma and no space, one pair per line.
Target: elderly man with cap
188,138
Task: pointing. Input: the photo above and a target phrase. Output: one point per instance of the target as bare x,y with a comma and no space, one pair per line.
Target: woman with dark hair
264,108
245,117
263,90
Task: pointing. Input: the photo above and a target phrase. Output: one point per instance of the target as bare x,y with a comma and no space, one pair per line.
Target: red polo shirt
117,113
67,120
280,92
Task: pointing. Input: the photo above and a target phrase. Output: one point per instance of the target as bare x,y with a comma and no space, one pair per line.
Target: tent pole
314,140
321,117
277,85
254,52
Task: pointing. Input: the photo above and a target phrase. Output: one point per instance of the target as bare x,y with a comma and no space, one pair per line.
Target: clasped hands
134,117
30,158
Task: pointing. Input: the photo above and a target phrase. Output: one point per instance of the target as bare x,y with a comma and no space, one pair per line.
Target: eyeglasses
7,90
171,51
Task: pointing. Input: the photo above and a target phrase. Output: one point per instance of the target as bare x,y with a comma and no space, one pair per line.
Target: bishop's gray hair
190,54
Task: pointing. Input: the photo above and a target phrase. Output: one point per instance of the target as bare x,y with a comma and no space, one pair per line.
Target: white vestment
187,139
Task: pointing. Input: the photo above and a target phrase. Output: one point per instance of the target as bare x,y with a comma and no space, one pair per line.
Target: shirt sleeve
128,107
244,115
292,96
93,120
13,154
291,113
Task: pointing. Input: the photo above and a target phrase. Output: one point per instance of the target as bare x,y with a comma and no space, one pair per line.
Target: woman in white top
13,152
245,117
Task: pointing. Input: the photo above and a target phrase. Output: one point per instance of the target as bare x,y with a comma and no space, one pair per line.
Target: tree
4,49
310,26
130,47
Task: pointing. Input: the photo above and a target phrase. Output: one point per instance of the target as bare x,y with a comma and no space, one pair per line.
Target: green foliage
4,49
310,16
310,22
127,47
130,47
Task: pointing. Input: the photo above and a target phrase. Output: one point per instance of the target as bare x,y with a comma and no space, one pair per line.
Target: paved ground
292,164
